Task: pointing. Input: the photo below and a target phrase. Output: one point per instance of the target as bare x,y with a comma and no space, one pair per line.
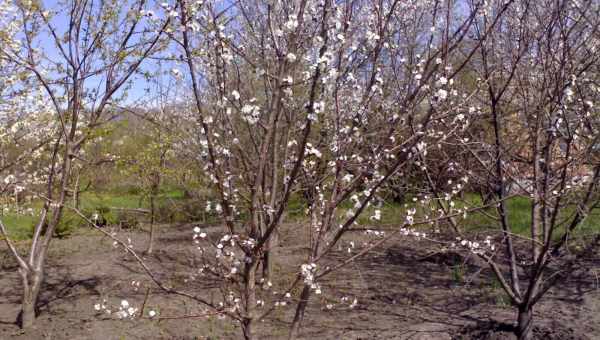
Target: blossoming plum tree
322,99
538,70
81,55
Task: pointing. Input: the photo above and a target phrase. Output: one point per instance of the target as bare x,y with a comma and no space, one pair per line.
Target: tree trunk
152,231
267,264
524,322
247,329
250,300
32,281
76,191
295,328
269,256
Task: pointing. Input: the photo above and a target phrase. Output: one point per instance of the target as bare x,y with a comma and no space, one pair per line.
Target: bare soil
404,290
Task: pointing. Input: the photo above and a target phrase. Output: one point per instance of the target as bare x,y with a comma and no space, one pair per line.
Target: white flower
377,215
291,24
176,73
250,113
124,304
151,313
569,92
197,230
443,80
97,306
202,235
235,94
319,106
8,179
291,57
372,37
442,94
313,151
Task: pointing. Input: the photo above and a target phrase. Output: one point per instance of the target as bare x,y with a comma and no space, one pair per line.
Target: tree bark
524,323
536,209
247,329
269,256
32,281
152,231
76,200
295,328
250,300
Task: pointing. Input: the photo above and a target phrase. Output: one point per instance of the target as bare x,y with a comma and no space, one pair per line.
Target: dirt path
401,292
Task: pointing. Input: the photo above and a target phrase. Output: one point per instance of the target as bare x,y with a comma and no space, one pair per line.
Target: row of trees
340,102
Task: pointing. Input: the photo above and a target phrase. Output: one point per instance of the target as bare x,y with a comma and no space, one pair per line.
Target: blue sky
61,24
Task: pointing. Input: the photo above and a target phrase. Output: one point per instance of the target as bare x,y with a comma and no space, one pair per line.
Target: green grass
519,216
20,226
93,200
392,214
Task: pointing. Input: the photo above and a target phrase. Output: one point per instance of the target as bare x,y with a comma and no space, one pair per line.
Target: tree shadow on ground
406,285
60,286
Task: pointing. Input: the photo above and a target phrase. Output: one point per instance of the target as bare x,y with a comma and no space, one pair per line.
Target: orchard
331,169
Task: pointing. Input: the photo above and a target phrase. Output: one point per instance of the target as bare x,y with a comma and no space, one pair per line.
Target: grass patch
20,225
519,217
172,202
518,208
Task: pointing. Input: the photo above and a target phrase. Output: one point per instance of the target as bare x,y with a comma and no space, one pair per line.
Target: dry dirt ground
403,292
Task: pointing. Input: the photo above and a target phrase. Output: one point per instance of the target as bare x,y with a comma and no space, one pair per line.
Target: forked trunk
304,296
32,281
247,329
524,322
